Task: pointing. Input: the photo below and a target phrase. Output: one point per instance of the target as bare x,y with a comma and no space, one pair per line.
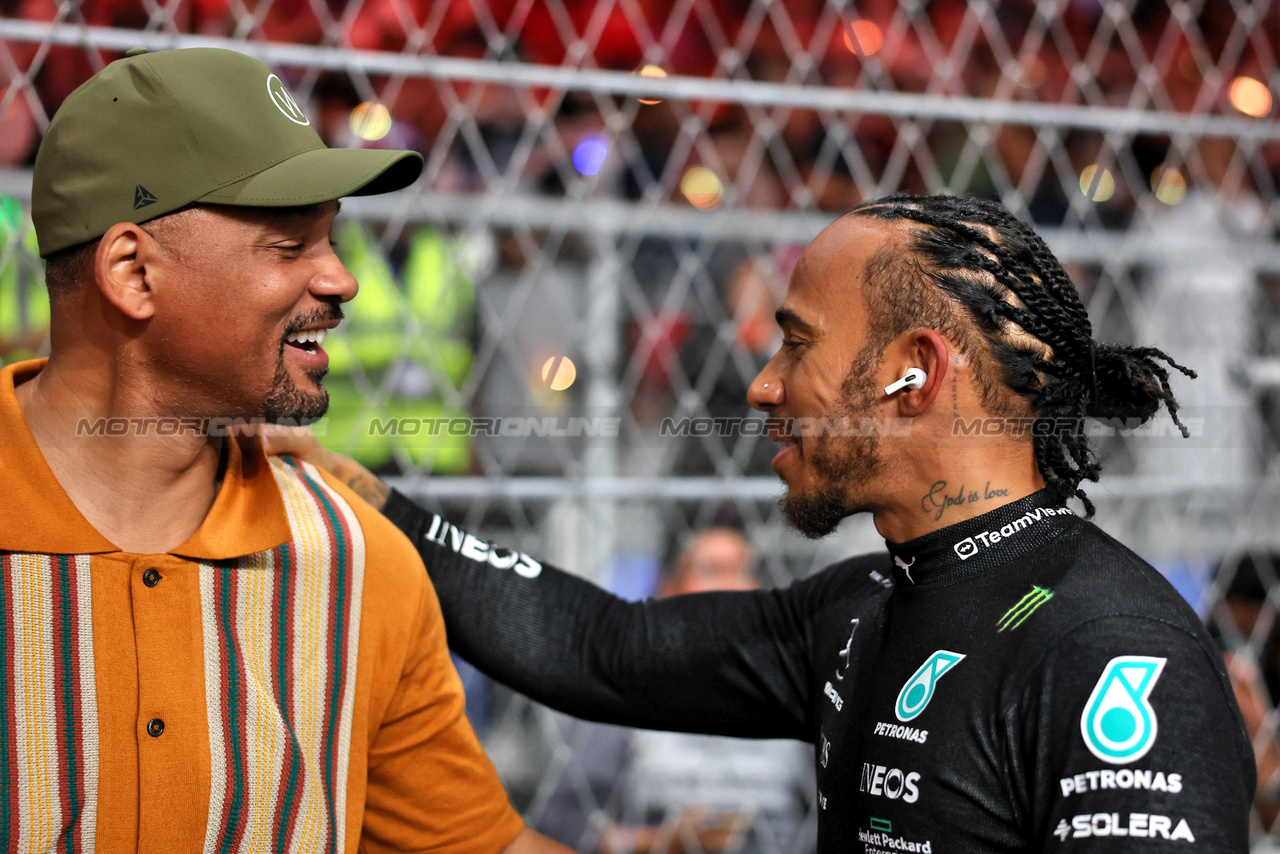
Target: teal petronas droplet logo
918,691
1119,725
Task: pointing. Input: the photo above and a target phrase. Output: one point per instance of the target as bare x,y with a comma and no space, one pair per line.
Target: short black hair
66,269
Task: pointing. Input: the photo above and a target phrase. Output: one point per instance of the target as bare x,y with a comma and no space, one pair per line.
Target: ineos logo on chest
891,783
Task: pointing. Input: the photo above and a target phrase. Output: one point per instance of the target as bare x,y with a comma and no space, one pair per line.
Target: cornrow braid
1033,329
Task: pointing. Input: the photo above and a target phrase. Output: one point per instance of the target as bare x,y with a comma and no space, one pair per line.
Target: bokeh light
1168,185
1097,183
590,153
371,121
702,187
1250,96
651,71
559,372
863,38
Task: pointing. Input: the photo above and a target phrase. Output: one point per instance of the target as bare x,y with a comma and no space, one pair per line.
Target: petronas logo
1118,724
1026,606
918,691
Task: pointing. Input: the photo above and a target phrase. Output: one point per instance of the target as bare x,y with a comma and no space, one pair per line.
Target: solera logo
284,101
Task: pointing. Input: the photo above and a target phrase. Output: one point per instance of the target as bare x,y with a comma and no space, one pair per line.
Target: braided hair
1021,323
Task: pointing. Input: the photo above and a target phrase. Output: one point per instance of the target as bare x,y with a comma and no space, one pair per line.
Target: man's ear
120,269
927,350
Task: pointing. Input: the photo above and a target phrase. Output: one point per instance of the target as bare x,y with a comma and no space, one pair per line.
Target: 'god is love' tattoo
938,500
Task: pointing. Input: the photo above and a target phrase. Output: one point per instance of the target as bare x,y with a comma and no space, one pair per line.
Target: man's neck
956,487
144,492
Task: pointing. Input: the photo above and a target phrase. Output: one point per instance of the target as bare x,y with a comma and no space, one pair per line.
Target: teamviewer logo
966,548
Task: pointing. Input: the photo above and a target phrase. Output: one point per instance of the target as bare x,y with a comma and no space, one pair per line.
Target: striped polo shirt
279,682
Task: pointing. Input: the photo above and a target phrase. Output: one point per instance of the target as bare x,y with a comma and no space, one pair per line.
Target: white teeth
311,336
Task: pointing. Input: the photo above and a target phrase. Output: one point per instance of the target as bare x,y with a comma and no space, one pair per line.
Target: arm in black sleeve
731,663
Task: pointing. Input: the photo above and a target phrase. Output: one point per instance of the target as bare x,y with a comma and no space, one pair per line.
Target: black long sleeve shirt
1016,682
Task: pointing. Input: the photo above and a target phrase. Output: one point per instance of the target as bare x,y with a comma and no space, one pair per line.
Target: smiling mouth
309,340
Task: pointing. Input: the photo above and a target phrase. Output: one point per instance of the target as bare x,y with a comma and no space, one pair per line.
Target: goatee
815,516
289,404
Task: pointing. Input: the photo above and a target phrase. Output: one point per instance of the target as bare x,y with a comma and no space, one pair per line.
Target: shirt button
151,578
155,727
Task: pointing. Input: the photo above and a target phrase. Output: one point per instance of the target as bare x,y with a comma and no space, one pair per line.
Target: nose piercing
766,385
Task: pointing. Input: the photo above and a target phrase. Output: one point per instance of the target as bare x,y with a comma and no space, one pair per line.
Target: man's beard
840,463
289,404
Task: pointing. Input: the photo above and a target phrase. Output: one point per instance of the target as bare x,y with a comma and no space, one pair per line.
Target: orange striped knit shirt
278,683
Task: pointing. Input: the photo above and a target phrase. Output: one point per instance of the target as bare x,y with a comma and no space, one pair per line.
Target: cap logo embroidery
284,101
142,197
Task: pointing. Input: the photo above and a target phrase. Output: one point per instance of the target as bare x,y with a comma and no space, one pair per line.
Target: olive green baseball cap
155,132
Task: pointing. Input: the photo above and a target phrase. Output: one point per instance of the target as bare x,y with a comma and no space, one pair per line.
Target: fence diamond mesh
558,323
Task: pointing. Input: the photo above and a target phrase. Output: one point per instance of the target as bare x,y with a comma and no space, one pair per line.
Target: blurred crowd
1088,52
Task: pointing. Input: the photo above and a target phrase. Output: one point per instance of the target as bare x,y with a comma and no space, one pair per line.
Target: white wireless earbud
913,378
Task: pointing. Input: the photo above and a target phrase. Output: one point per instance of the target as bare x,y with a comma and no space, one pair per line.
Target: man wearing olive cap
202,649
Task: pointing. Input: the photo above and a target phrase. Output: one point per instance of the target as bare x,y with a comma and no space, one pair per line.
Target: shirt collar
970,547
36,515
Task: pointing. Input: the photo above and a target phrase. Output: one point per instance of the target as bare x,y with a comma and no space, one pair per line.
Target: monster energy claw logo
1025,607
918,691
1118,724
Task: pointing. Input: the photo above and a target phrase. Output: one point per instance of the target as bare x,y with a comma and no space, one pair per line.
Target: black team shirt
1015,682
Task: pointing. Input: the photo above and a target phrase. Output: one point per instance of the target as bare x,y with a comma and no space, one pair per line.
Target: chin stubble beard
289,403
815,516
818,513
286,402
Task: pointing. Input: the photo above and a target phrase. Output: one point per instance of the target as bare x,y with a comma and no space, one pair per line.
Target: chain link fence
558,323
